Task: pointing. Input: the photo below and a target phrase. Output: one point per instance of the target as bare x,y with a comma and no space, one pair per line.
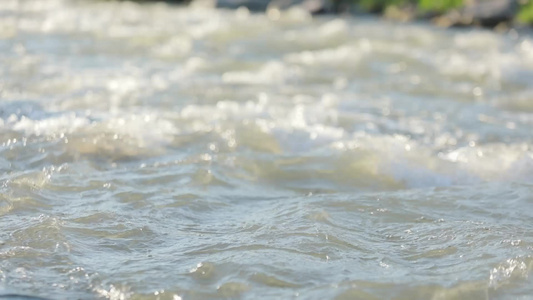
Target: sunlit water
161,152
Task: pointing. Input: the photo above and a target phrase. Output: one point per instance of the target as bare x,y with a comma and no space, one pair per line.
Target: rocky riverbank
486,13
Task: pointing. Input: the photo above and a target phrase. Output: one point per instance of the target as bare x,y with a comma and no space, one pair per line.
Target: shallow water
162,152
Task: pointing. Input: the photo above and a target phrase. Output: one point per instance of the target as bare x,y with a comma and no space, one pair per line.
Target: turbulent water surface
149,151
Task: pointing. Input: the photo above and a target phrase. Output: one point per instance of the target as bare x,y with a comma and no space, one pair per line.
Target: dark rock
253,5
317,6
311,6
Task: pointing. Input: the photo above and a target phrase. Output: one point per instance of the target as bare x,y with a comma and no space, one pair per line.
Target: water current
151,151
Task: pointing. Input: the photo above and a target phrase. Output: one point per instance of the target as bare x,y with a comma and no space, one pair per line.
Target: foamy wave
296,128
394,160
500,162
53,125
403,161
414,165
149,129
510,271
270,73
343,55
112,136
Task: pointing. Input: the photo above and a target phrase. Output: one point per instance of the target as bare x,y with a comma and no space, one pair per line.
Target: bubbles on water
113,292
55,125
203,270
512,270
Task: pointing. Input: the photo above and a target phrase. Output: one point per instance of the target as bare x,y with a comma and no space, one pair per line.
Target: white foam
408,163
270,73
177,46
416,165
297,128
342,55
149,129
500,162
54,125
513,269
334,27
141,129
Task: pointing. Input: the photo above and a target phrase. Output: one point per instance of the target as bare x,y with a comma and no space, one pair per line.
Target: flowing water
151,151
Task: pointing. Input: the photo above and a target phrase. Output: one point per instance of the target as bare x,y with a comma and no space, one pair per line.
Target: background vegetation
428,8
424,5
409,9
525,14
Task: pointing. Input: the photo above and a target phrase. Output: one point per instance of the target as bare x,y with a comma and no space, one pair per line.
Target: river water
151,151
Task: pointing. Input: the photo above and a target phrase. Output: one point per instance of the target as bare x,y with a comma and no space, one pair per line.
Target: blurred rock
487,13
402,14
253,5
317,6
311,6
